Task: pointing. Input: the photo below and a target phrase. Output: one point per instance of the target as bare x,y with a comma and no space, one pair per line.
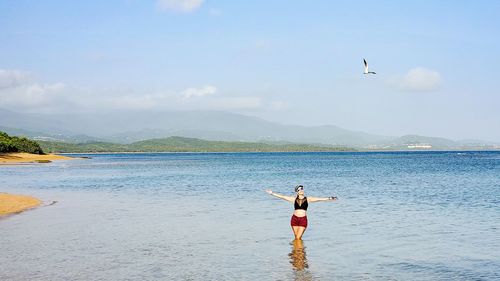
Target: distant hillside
131,126
35,135
415,140
127,127
181,144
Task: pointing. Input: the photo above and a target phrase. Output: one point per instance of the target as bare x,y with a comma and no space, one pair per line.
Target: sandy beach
12,203
12,158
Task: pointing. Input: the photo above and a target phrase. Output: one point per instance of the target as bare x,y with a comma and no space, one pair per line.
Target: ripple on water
401,216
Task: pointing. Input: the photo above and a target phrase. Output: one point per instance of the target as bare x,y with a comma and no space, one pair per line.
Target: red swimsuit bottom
299,221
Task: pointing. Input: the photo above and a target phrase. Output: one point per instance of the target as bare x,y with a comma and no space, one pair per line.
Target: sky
293,62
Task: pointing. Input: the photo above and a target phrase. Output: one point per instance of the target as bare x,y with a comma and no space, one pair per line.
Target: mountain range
181,144
126,127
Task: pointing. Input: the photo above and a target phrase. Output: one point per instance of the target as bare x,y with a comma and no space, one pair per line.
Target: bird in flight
366,68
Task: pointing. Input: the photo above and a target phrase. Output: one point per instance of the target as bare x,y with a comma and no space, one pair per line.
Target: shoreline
208,152
22,158
14,204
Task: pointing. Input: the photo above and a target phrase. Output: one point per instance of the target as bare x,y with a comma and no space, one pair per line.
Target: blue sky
295,62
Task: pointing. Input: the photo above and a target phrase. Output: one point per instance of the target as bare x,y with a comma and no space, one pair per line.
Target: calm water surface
400,216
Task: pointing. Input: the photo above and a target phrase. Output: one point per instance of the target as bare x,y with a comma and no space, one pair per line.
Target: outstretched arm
319,199
280,196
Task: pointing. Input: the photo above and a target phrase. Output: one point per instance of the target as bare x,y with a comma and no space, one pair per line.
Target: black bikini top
301,204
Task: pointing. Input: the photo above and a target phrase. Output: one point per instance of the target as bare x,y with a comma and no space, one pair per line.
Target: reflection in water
299,262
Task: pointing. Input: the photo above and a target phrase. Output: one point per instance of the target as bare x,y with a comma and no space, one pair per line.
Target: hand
333,198
269,191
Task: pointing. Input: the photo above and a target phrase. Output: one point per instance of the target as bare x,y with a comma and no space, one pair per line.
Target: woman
299,217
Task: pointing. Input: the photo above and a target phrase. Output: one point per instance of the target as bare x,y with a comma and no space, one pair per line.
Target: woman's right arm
280,196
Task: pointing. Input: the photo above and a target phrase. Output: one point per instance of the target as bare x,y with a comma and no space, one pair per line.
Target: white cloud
19,93
172,100
180,5
199,92
13,78
192,98
35,97
420,80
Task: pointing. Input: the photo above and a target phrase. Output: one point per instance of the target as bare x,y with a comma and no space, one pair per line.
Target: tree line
18,144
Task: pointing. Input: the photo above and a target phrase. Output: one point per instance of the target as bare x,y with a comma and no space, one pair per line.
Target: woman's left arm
319,199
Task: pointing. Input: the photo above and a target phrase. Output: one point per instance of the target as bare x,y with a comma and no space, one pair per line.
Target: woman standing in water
299,217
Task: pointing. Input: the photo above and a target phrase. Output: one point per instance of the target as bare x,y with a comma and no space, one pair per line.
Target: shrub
18,144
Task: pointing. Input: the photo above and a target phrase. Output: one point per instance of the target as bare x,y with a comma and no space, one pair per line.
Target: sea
206,216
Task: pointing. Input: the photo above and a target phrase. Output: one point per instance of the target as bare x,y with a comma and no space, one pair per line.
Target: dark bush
18,144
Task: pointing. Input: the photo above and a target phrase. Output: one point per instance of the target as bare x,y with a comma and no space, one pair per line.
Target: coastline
22,157
12,203
312,151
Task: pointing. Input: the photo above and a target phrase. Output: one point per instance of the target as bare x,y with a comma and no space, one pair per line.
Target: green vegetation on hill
67,147
18,144
180,144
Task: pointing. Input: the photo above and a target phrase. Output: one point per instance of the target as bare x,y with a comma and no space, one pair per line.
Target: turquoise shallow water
192,216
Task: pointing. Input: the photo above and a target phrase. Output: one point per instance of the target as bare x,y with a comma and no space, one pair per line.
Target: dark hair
298,187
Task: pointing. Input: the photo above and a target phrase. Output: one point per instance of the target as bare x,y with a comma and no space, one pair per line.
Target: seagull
366,69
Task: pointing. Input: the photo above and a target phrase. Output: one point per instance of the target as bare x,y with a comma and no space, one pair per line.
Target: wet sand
14,158
11,203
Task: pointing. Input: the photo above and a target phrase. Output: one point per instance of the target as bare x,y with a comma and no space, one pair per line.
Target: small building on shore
419,146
